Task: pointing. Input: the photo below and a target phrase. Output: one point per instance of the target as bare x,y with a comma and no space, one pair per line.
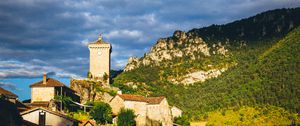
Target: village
46,106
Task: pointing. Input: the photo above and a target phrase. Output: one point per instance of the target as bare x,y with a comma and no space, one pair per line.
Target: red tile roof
7,93
86,122
154,100
50,82
39,104
131,97
139,98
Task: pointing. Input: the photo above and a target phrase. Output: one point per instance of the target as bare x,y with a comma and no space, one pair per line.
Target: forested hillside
261,66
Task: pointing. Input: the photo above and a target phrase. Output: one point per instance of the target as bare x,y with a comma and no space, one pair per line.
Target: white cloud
124,33
10,86
13,68
119,64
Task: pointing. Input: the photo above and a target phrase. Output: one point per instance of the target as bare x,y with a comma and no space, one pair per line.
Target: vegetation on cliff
259,115
263,67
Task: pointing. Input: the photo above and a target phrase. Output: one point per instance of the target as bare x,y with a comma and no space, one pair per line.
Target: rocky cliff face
90,90
181,45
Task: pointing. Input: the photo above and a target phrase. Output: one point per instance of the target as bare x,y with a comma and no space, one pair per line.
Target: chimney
44,78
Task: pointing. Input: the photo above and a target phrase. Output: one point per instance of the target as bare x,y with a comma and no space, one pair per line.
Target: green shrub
263,115
126,117
102,113
183,120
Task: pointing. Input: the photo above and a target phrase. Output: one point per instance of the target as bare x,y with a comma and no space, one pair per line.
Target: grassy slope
265,74
269,78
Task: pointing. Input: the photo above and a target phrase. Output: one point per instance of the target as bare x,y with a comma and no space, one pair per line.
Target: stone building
148,110
176,112
44,117
43,92
100,59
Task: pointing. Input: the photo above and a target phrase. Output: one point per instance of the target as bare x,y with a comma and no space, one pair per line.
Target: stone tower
100,60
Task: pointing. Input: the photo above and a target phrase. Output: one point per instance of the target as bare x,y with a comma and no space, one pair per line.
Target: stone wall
160,112
176,112
140,110
42,94
116,104
144,112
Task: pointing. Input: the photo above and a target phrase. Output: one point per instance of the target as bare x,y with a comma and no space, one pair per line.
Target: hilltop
248,62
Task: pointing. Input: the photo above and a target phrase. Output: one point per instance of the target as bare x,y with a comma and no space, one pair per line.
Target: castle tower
100,60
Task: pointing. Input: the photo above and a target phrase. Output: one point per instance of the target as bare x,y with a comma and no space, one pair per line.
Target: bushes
102,113
263,115
126,117
80,115
183,120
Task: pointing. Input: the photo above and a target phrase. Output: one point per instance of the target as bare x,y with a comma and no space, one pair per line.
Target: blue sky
50,36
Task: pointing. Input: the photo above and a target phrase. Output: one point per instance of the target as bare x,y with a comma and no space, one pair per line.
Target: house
88,123
43,92
13,98
42,116
148,110
176,112
8,95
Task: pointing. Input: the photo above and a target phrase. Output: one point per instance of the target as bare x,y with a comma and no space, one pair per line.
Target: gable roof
155,100
39,104
85,122
139,98
50,82
98,42
7,93
49,111
130,97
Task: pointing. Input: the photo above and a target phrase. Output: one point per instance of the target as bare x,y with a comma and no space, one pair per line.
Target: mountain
249,62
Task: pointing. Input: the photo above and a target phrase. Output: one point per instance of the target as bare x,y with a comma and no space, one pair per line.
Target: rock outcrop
198,76
181,44
90,90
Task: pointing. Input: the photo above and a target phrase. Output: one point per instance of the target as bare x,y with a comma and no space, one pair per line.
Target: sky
51,36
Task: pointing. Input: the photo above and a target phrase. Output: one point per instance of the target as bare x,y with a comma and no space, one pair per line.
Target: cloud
124,33
16,69
10,86
52,35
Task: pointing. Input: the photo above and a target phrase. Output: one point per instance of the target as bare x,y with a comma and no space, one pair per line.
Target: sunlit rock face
186,46
181,44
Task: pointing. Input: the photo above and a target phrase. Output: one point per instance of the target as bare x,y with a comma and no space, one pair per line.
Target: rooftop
50,82
47,110
7,93
99,41
139,98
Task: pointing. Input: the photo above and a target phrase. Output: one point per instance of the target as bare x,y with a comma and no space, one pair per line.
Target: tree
183,120
105,77
102,113
126,117
89,75
66,102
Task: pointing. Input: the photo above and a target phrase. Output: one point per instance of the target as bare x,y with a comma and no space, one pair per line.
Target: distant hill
250,62
270,24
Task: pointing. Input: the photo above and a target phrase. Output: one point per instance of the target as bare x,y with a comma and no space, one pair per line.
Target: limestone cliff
90,90
182,46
